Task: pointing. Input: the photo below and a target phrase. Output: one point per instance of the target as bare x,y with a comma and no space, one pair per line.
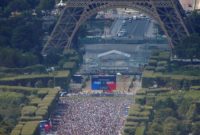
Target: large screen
103,82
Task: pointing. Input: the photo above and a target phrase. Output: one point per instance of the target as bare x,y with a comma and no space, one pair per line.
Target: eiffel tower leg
64,30
171,18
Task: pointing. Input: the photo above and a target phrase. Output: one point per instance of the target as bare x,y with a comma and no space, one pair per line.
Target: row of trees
8,6
21,38
189,48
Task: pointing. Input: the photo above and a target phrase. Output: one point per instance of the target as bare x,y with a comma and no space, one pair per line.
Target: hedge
16,132
47,103
19,89
140,130
70,52
138,107
152,62
31,115
160,69
162,63
74,58
147,107
69,65
163,80
137,119
61,79
42,112
131,124
30,123
31,118
194,94
42,93
53,92
26,90
157,90
153,68
195,88
17,129
140,99
141,92
28,110
129,130
140,114
35,101
135,107
150,100
164,55
154,57
31,82
35,68
12,98
30,128
27,128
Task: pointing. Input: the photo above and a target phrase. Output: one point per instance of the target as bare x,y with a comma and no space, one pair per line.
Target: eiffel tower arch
168,13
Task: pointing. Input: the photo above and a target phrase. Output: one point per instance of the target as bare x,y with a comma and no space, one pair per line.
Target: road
116,27
136,29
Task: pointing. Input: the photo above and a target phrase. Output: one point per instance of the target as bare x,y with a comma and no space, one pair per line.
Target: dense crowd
92,115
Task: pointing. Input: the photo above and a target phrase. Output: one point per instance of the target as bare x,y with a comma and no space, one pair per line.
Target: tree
194,21
16,58
18,5
33,3
191,112
155,129
8,60
5,34
186,84
171,120
1,118
38,84
196,128
170,126
170,129
166,103
52,59
27,37
50,83
189,47
4,3
46,4
184,127
162,114
26,59
184,107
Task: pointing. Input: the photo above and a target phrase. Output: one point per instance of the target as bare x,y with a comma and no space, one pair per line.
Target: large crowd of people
92,115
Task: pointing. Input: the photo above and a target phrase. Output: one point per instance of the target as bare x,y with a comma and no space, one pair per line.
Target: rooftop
114,52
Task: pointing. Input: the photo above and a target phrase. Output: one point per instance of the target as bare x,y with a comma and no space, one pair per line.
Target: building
197,5
114,60
190,4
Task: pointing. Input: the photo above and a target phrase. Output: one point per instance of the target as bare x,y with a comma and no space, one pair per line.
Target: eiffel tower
168,13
